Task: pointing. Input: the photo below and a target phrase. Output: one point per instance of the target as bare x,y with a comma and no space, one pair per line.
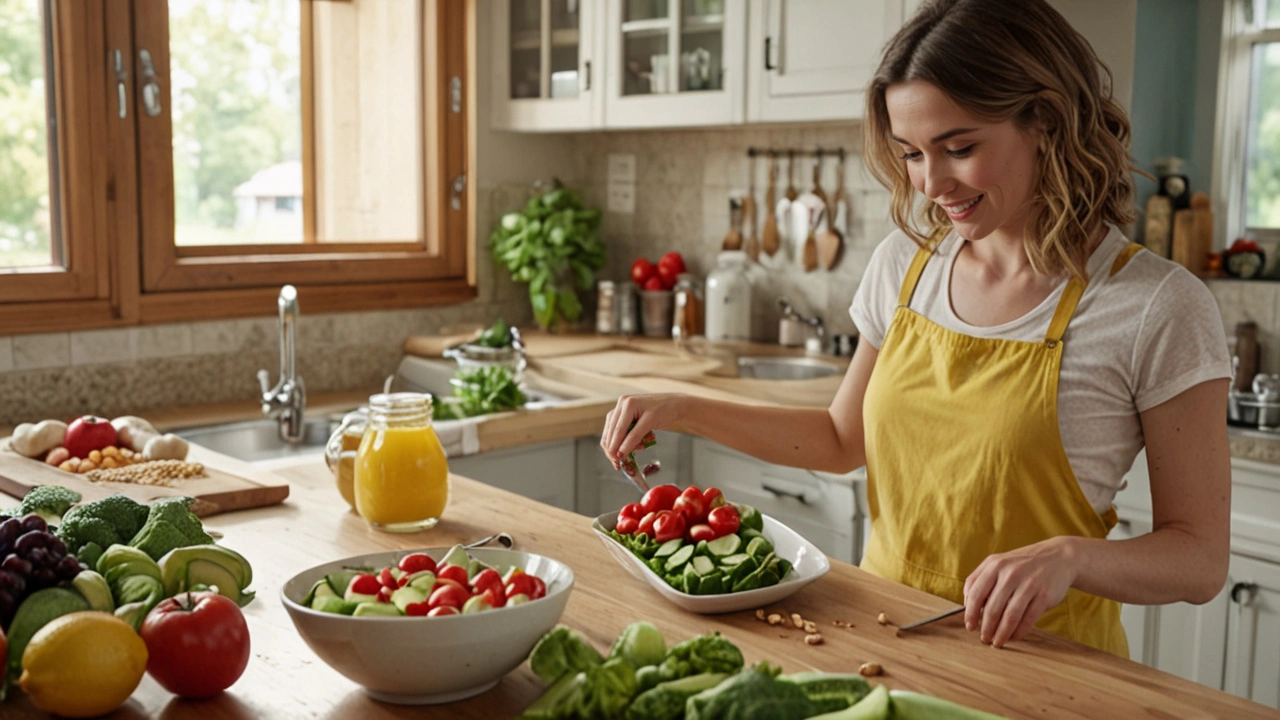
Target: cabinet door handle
779,492
586,72
151,89
768,47
1247,590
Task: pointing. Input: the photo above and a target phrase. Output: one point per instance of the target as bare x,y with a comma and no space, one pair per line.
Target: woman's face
981,173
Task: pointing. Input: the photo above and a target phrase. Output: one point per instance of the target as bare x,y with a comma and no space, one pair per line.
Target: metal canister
625,298
606,308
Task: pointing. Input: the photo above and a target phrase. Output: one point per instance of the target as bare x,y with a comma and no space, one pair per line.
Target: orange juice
401,472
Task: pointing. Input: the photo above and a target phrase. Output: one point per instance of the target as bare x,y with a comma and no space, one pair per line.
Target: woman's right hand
650,412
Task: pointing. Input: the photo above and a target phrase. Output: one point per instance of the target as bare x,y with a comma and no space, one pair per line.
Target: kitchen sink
786,368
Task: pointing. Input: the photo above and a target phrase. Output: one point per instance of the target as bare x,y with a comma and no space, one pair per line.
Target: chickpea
95,456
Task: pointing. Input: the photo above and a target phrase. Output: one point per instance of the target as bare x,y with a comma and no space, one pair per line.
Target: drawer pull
779,492
1247,589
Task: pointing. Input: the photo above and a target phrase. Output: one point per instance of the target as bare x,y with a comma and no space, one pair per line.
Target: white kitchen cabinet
819,506
602,489
674,63
545,73
811,59
1253,631
543,472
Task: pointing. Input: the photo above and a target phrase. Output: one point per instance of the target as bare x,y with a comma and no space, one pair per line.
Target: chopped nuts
155,472
882,619
810,627
760,615
813,639
775,619
870,668
797,620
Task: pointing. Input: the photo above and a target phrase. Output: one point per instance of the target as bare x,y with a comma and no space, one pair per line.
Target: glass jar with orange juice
340,452
401,472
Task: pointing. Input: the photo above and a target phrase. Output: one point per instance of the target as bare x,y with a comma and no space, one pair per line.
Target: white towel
459,437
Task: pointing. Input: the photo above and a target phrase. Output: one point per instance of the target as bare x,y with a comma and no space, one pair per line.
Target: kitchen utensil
733,238
810,258
808,563
749,211
638,479
832,240
817,182
932,618
468,654
504,539
792,192
769,240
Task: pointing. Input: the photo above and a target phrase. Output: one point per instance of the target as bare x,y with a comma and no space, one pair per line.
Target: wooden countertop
1043,676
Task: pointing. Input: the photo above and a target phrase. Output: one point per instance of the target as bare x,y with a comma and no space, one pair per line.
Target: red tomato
197,644
724,520
641,271
632,510
689,504
456,573
712,498
384,594
627,525
660,497
527,584
365,585
646,525
450,595
485,579
667,276
655,283
674,261
443,610
418,609
495,596
701,532
387,579
539,588
668,526
417,562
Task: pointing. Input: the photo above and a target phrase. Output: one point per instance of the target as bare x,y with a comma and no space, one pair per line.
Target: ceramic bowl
807,561
422,660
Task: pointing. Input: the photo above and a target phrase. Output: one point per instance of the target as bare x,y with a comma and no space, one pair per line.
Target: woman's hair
1014,60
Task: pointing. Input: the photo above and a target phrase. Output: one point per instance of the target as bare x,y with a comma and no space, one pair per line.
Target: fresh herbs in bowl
480,391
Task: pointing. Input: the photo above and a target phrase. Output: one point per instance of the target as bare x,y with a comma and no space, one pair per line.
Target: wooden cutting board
628,363
231,484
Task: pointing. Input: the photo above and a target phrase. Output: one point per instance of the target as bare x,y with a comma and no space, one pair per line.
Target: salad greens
561,652
480,391
497,335
640,644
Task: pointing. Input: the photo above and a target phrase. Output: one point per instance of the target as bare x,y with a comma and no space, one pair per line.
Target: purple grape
16,565
44,577
9,581
30,541
9,531
57,547
68,568
34,523
7,606
40,557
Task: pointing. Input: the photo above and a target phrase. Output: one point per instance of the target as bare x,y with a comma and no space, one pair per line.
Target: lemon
83,664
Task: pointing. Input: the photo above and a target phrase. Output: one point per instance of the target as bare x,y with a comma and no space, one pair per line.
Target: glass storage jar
401,472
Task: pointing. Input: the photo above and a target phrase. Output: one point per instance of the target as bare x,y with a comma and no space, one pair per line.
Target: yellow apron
964,459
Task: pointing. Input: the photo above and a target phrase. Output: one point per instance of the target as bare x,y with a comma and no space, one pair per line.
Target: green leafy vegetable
667,700
496,336
830,691
753,694
484,390
562,651
708,653
170,524
113,520
640,644
50,502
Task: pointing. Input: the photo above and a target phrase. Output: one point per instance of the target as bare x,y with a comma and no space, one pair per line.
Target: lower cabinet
543,472
1253,630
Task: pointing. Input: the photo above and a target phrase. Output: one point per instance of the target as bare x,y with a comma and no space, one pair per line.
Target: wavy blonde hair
999,62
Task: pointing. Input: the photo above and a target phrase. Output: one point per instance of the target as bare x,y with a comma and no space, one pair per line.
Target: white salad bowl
808,563
429,660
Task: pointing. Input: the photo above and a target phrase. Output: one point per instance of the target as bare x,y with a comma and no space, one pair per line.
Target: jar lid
732,257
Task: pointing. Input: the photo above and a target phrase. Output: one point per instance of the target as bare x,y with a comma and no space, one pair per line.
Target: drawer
542,472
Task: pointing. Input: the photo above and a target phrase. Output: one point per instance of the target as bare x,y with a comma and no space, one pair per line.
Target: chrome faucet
814,322
288,398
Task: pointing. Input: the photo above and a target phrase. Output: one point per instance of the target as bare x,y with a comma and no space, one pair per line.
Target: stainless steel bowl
1255,412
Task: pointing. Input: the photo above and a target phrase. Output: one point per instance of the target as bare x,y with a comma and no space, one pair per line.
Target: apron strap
1071,296
1125,256
913,276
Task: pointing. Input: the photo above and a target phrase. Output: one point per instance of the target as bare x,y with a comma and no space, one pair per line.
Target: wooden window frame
134,274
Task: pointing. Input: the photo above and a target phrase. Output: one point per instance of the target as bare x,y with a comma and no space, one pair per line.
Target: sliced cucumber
669,547
340,581
679,558
702,565
701,548
691,583
743,569
724,546
734,560
759,548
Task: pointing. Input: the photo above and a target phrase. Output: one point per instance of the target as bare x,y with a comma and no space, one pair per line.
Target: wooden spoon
810,243
770,239
733,238
817,182
749,211
792,192
830,241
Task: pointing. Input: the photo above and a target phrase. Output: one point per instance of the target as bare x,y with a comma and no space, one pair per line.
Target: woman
1017,353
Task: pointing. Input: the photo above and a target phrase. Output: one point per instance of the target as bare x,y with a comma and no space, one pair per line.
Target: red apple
88,433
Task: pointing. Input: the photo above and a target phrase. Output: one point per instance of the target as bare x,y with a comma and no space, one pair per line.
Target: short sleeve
1181,341
877,294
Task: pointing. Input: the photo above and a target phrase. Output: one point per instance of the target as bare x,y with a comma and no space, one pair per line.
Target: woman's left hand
1006,594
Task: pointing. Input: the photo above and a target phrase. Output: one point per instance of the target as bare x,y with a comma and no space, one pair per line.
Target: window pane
28,237
1262,179
526,48
1273,13
235,70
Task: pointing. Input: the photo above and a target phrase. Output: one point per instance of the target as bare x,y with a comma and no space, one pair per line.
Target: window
238,145
1249,113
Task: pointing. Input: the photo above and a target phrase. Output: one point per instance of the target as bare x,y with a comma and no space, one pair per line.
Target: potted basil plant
552,244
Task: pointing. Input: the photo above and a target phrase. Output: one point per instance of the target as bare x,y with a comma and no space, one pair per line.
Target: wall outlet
622,168
622,198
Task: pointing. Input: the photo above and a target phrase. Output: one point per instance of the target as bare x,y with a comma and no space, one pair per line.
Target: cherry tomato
701,532
197,644
456,573
712,498
387,579
526,584
659,497
418,609
667,275
646,525
641,271
674,262
443,610
632,510
627,525
724,520
689,504
485,579
364,585
384,594
417,562
450,595
495,596
654,283
669,525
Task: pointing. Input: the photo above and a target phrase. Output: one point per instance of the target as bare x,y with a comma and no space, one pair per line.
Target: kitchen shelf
702,24
532,40
646,28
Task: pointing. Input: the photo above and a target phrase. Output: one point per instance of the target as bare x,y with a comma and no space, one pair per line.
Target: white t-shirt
1136,340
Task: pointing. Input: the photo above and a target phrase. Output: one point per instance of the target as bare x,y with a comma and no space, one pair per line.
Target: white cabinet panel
544,70
542,472
1253,632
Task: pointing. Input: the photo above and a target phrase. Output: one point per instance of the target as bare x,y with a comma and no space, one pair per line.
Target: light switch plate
622,197
622,168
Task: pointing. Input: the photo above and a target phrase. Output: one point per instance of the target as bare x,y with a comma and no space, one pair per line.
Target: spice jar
687,321
401,472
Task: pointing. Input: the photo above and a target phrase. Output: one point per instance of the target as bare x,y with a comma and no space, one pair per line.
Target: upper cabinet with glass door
544,77
673,63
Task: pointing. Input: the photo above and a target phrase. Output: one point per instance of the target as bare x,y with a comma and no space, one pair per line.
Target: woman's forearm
797,437
1167,565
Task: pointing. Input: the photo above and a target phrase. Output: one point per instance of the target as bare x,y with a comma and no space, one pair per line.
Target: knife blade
933,618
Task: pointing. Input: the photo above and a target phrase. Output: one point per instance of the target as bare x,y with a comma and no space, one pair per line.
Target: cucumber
724,546
668,547
691,583
701,548
750,518
748,535
759,548
702,565
340,581
711,584
679,558
734,560
323,589
333,604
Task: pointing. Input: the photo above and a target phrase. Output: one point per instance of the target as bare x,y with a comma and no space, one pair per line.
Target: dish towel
459,437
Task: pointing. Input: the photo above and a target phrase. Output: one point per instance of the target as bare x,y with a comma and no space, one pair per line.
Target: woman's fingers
1014,612
976,588
993,610
606,435
1039,604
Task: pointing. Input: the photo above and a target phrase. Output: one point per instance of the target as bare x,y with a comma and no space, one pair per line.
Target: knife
933,618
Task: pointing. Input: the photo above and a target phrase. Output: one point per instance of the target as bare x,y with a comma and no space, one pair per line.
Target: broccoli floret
109,521
50,502
170,525
90,553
